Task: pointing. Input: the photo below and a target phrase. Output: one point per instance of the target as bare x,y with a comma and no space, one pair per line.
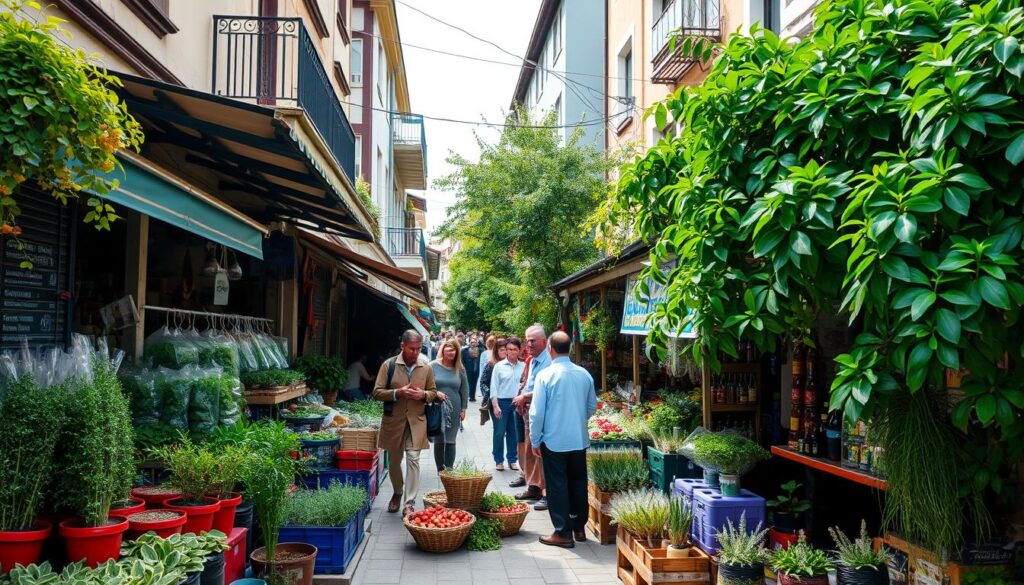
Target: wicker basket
431,499
359,439
464,492
510,522
439,540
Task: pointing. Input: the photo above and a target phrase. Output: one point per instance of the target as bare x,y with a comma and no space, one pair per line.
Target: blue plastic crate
322,478
712,509
336,545
684,487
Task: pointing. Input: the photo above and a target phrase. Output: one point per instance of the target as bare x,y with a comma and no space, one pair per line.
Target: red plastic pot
780,539
163,528
23,547
154,500
128,507
93,544
224,519
200,516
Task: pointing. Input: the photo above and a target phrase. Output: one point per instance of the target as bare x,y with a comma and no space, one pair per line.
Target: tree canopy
870,169
519,213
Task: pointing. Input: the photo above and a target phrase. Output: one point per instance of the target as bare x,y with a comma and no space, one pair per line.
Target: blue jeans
505,433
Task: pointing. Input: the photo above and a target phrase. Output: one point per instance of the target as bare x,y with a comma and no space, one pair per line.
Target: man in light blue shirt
504,387
563,401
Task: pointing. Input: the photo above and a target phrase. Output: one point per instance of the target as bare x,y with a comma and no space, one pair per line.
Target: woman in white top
356,374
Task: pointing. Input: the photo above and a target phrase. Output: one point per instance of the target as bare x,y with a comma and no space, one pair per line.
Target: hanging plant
599,327
62,121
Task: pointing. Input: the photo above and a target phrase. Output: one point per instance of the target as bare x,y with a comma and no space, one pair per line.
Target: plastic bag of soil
144,398
167,348
204,401
231,400
175,388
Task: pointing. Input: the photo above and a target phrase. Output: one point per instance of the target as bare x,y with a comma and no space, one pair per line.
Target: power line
603,121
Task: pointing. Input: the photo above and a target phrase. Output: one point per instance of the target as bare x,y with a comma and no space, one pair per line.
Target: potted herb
730,455
227,473
306,416
28,437
163,523
330,519
320,448
680,520
643,513
325,374
741,553
96,449
787,509
194,472
616,470
801,564
857,563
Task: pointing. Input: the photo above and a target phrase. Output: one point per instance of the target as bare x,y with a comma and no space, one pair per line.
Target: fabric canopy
412,320
146,189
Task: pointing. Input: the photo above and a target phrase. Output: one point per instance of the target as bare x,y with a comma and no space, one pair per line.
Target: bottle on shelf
796,438
752,390
833,435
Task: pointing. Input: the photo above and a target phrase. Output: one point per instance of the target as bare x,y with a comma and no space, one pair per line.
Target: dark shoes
541,505
531,493
556,540
518,482
580,536
472,399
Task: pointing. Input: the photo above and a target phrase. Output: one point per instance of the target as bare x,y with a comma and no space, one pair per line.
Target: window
558,110
556,35
154,14
357,107
623,106
357,62
382,73
359,156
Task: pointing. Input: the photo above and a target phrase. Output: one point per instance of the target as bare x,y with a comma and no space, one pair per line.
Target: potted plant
154,496
326,375
28,436
642,513
741,553
611,471
306,416
330,519
96,449
194,472
163,523
320,447
680,520
268,479
227,473
465,484
730,455
801,564
857,563
787,509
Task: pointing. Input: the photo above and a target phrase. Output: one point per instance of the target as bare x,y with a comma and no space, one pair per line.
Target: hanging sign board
221,287
638,308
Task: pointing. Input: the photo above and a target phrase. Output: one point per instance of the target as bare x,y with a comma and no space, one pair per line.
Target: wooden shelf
734,407
264,398
827,466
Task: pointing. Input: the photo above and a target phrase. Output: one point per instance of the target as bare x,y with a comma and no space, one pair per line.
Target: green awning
412,320
150,191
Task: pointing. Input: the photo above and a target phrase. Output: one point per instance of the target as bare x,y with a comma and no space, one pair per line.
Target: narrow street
391,555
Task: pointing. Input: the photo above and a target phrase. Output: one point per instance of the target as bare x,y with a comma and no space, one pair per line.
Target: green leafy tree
871,168
520,212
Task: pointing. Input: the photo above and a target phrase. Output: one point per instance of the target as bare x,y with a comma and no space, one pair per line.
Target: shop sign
638,308
221,287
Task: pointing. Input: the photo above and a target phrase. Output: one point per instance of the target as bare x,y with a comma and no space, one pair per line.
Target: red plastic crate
234,557
357,460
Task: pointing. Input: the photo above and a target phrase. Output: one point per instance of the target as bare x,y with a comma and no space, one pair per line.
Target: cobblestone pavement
391,555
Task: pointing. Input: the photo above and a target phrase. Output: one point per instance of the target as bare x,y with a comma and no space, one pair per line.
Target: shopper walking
451,379
471,361
497,354
405,384
563,401
533,470
505,387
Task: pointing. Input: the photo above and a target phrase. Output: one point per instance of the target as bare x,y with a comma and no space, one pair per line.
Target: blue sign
638,308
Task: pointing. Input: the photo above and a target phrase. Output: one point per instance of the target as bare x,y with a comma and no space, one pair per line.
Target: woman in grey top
452,380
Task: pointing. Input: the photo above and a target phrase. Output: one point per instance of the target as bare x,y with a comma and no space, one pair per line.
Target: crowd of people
537,401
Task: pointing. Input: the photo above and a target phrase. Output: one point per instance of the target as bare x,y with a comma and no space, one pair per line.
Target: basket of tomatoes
506,510
439,529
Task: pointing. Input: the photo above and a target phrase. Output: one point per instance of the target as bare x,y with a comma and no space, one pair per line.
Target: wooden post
636,366
604,356
136,261
705,384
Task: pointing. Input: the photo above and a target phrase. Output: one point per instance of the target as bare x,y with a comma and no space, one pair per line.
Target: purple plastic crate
712,509
684,487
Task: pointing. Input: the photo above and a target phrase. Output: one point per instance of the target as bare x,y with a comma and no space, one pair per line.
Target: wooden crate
924,561
272,396
358,439
639,563
598,520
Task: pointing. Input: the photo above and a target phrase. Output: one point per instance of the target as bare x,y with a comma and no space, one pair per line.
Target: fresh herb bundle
617,470
492,501
484,536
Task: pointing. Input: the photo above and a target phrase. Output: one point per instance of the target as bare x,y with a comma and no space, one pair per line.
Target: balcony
685,18
410,142
408,248
274,62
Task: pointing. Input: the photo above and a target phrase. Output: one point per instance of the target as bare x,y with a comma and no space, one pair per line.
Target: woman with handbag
451,379
494,355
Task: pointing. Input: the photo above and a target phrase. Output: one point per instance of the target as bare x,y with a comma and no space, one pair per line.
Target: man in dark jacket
471,361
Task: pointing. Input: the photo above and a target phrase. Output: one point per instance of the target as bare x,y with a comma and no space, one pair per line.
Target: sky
459,88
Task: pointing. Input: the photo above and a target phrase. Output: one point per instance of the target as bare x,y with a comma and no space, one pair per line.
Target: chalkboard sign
34,303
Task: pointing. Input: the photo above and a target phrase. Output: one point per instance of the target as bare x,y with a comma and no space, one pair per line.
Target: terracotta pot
23,547
297,571
93,544
137,525
224,519
128,507
156,498
329,397
200,516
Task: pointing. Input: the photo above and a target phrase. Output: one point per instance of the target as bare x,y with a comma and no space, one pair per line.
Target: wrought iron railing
406,242
685,18
407,129
273,61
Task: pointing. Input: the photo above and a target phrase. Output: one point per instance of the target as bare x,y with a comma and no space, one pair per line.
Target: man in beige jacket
405,384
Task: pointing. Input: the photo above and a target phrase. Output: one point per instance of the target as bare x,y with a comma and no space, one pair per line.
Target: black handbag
434,412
